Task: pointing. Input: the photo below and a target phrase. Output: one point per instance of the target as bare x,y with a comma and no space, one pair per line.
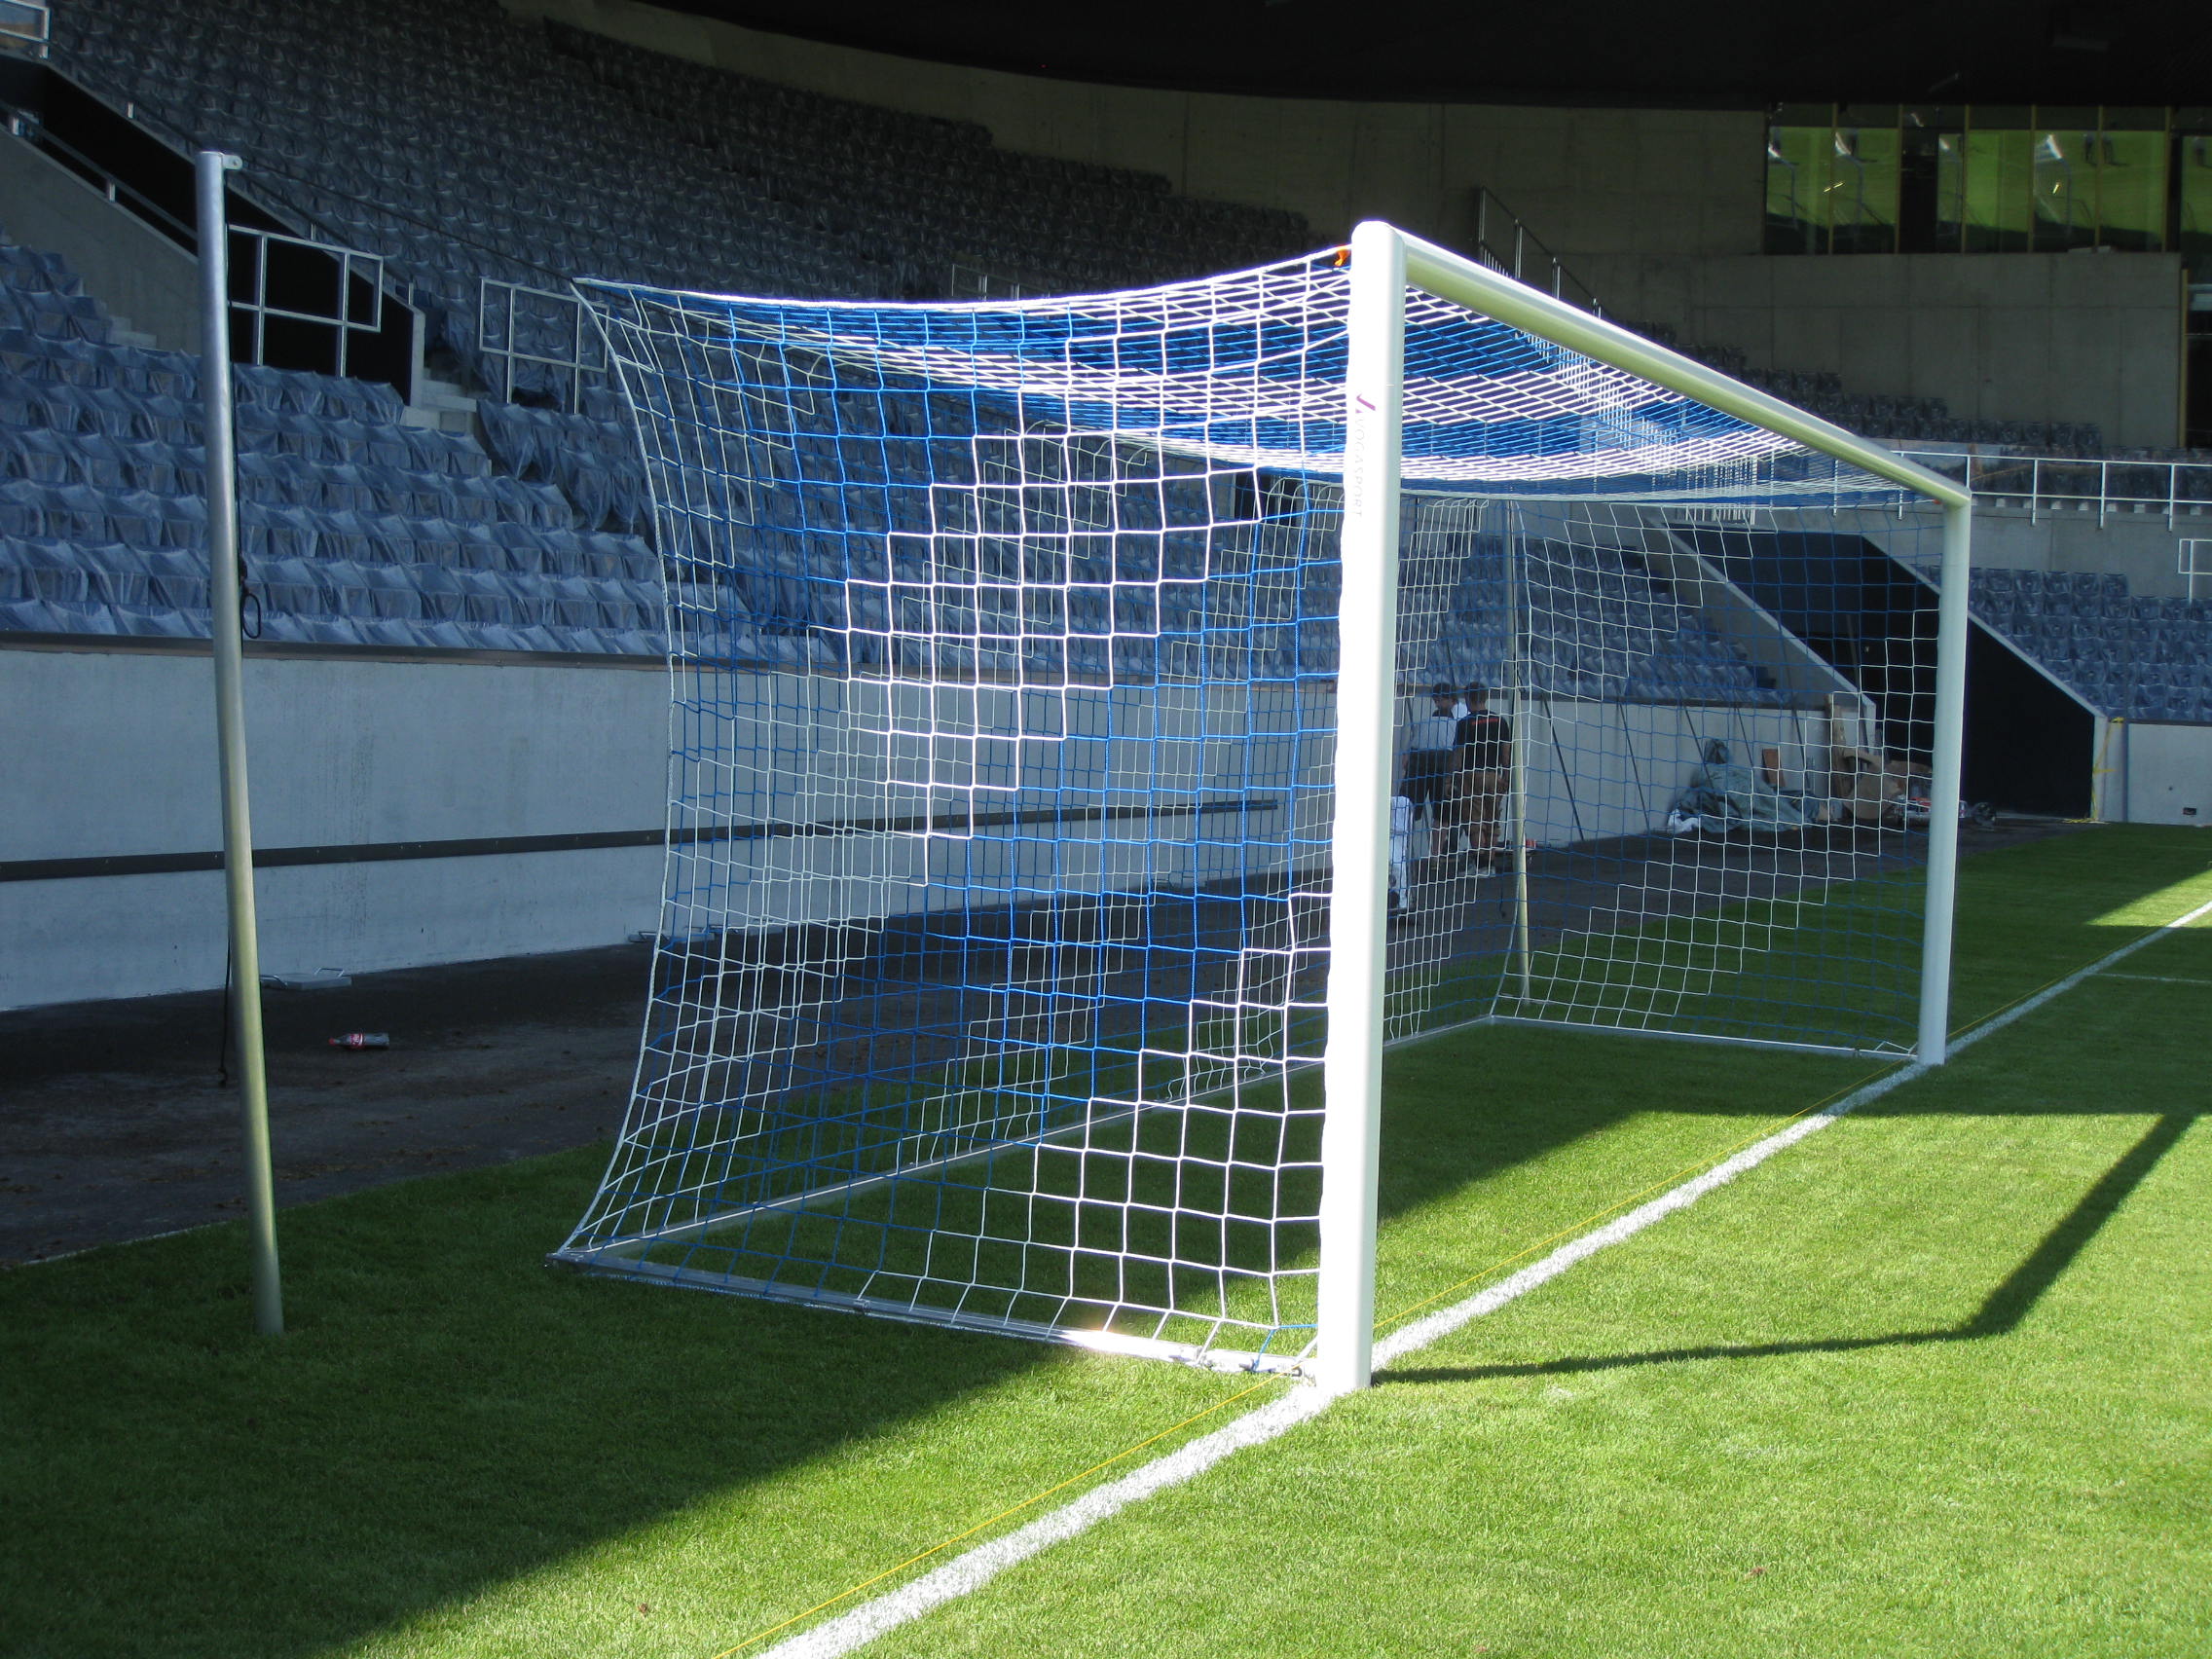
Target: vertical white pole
1516,665
1943,786
1367,675
229,732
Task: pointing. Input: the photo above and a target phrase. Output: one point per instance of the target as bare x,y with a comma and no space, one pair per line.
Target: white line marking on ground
979,1566
2158,979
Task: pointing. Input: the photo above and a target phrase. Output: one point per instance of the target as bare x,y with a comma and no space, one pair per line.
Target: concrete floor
113,1124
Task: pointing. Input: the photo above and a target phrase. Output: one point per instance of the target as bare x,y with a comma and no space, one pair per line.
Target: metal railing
2192,562
969,282
1509,247
2050,486
25,26
27,126
498,309
351,281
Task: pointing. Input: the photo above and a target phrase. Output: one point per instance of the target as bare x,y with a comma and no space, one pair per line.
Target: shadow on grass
2001,1312
447,1416
444,1415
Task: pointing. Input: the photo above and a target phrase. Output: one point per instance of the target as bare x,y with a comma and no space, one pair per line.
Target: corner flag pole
224,593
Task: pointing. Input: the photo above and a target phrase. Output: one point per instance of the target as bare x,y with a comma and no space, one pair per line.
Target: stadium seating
361,530
560,152
1898,419
465,146
2143,658
357,530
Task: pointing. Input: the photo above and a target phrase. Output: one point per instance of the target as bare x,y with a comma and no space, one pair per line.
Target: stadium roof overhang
1739,54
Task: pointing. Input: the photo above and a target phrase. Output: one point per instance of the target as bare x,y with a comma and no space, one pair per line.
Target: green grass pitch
1939,1380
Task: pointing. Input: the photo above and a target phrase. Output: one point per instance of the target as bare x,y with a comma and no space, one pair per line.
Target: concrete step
440,406
433,393
439,420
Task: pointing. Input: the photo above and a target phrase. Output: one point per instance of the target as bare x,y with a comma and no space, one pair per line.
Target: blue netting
1248,369
996,939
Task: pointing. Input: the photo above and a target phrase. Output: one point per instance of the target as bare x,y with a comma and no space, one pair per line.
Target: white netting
996,940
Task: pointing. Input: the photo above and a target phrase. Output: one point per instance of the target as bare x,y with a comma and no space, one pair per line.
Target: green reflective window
2131,190
2195,162
1862,194
1798,172
1950,190
1998,192
2065,189
2013,181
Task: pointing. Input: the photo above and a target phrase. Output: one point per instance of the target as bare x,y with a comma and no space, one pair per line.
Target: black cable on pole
223,1031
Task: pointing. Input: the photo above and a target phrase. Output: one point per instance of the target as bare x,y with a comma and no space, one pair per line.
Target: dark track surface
113,1125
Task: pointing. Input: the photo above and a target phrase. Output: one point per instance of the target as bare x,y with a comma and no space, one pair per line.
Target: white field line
2159,980
979,1566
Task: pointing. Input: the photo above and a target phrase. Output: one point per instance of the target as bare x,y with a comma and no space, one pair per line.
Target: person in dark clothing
1431,753
1482,745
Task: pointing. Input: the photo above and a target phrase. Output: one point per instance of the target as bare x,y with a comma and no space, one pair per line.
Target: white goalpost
1104,724
1386,262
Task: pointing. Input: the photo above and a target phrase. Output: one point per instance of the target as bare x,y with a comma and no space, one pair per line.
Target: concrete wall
1595,770
2139,546
113,752
114,755
2005,337
1655,181
805,751
2168,774
136,271
1659,212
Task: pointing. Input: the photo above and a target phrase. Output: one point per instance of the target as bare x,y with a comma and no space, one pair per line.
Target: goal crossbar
1386,262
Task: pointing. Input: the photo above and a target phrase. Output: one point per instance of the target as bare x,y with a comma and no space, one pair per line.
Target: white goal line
969,1573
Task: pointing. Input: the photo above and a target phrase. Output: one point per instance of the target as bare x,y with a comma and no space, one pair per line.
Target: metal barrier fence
1509,247
297,302
568,342
25,26
2047,485
969,282
311,290
2192,562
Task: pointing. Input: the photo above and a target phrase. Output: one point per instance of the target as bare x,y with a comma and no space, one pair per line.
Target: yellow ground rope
1685,1172
1031,1502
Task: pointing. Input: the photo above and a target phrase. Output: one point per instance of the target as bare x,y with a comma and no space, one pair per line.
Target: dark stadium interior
1737,54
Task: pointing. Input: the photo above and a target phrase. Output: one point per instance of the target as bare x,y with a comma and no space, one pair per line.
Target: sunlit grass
458,1453
1938,1382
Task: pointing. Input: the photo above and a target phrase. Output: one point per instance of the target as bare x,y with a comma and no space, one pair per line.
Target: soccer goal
1103,724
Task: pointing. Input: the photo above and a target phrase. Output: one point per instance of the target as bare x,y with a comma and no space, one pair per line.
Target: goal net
1100,720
